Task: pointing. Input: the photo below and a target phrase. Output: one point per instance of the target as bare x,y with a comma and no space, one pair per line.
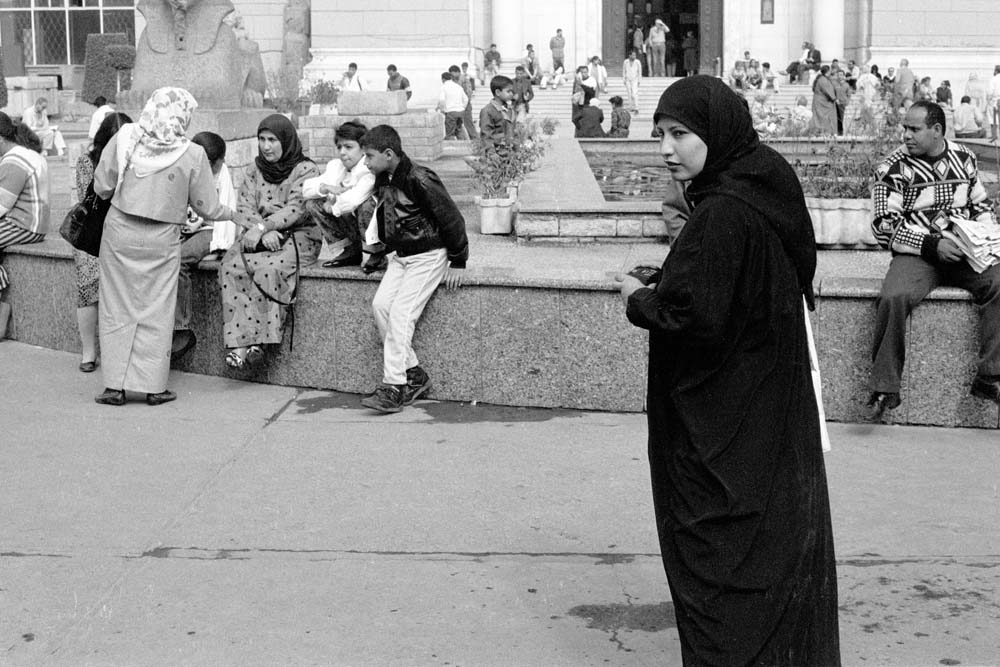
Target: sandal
255,355
234,360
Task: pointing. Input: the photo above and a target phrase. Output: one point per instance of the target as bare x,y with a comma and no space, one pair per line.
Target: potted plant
498,171
324,93
837,174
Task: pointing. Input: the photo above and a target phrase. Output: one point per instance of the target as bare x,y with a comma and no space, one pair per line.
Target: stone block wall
421,131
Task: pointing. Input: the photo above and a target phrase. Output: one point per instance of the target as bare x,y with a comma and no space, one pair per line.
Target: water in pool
633,178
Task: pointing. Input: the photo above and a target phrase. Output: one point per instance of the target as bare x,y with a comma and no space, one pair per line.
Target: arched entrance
702,17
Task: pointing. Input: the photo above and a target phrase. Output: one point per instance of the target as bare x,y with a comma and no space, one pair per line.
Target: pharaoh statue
193,44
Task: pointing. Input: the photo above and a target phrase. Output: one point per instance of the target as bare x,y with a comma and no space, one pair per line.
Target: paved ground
250,524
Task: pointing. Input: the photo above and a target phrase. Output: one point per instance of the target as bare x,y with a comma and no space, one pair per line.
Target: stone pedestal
421,131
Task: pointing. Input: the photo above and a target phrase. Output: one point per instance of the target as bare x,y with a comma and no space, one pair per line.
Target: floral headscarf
159,138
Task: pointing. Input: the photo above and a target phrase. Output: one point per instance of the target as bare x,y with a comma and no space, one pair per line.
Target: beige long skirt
140,260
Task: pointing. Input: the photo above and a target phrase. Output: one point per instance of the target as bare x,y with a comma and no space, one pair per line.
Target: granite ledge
869,288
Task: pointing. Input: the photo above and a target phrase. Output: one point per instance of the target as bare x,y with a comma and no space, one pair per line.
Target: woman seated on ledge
259,272
24,194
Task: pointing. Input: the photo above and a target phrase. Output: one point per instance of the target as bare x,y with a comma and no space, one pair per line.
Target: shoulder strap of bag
290,321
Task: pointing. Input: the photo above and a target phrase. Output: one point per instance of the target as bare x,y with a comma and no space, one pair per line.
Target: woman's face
683,151
269,145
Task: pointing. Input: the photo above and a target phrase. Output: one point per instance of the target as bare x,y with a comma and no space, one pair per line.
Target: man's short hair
934,113
352,130
214,145
766,64
520,68
446,76
100,101
465,65
966,99
454,68
391,68
41,99
492,45
499,82
383,138
352,65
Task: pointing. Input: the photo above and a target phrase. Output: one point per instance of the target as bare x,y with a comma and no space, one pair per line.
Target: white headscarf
158,140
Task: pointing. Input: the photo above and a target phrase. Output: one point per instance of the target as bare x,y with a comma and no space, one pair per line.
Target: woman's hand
271,240
251,238
629,285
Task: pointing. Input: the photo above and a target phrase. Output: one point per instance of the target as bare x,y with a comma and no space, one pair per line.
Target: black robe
739,485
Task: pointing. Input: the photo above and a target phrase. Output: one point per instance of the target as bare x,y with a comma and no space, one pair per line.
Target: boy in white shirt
340,200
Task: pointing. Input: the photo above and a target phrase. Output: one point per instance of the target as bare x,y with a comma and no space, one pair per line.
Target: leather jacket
416,214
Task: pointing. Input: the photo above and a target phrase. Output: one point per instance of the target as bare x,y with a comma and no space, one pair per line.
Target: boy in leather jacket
424,232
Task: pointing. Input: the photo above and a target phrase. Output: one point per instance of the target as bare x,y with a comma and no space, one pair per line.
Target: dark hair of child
382,138
616,101
214,145
499,82
109,128
352,130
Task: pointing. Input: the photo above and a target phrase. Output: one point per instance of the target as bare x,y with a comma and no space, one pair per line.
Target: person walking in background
631,76
468,84
397,81
943,94
599,73
993,102
639,46
824,104
424,232
451,102
530,63
842,92
558,47
735,456
658,47
690,47
37,119
523,93
976,91
152,173
352,80
903,86
86,266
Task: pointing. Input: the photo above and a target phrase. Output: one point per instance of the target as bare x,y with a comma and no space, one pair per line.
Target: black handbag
83,226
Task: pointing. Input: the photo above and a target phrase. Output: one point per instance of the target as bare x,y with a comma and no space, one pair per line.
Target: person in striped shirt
918,190
24,189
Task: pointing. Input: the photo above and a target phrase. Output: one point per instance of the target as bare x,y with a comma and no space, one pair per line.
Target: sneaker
880,401
986,387
387,398
418,382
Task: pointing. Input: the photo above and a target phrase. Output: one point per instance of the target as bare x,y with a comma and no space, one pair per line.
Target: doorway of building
702,18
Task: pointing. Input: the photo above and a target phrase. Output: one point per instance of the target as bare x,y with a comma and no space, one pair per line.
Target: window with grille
54,32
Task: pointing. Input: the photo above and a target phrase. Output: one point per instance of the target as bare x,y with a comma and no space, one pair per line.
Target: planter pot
496,216
842,222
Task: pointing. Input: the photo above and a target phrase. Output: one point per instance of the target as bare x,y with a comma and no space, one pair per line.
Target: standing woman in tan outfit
152,174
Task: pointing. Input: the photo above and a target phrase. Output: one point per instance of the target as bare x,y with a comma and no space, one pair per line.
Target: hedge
99,78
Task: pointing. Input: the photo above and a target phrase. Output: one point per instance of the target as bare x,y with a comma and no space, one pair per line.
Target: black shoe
111,397
346,258
88,366
986,387
376,262
879,402
418,383
183,342
161,398
387,398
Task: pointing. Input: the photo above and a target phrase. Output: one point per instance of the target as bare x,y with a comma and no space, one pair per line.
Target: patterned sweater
914,199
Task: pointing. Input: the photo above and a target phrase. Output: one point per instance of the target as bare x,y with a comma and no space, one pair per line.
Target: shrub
495,168
99,77
323,92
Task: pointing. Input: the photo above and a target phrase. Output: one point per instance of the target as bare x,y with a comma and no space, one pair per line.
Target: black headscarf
739,166
291,149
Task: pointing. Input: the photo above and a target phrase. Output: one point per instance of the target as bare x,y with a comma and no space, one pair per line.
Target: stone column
507,32
828,28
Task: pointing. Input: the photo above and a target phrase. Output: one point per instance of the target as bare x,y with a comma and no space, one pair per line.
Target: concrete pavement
249,524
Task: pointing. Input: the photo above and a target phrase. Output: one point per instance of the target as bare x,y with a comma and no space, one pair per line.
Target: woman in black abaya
739,485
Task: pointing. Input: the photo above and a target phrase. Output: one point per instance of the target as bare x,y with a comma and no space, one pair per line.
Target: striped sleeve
14,175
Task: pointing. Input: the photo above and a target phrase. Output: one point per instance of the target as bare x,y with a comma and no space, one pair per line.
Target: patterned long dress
248,317
88,267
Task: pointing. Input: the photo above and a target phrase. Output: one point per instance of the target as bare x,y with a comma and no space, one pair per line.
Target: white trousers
52,139
632,91
406,287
